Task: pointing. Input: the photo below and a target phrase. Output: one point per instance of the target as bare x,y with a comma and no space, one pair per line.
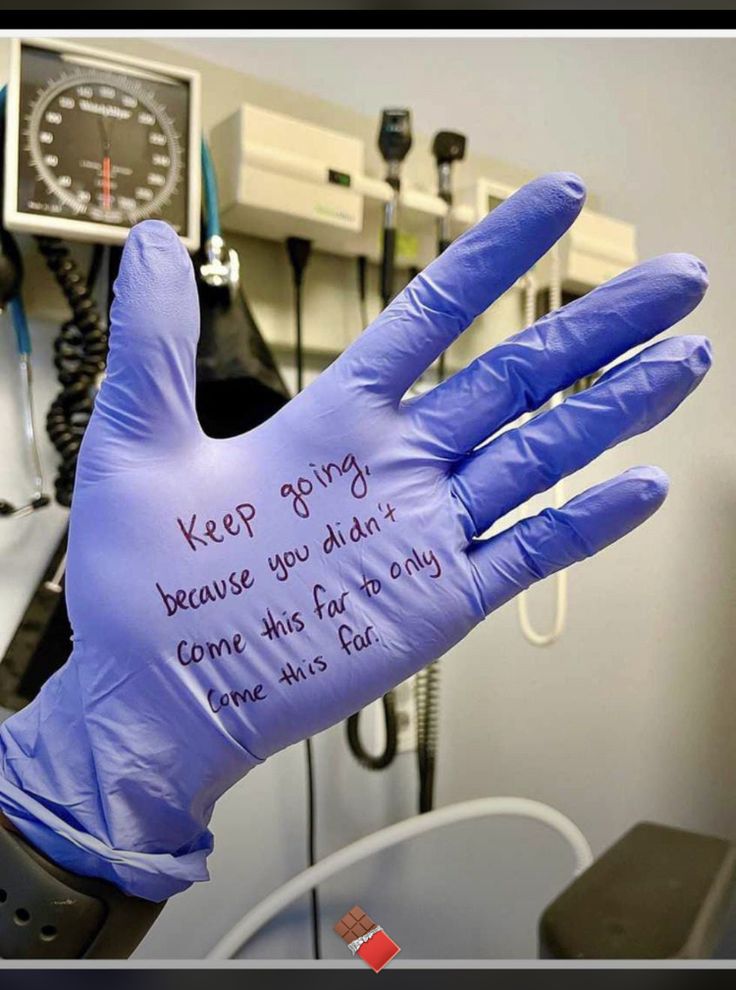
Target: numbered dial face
105,147
100,144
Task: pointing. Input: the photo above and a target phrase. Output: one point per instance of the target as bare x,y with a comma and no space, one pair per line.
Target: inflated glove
230,597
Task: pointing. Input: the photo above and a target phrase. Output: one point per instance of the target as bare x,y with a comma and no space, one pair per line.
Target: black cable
362,293
427,699
311,846
388,263
298,250
368,760
420,700
80,351
299,340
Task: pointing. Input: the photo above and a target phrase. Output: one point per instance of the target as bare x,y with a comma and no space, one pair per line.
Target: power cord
379,761
362,264
299,250
311,845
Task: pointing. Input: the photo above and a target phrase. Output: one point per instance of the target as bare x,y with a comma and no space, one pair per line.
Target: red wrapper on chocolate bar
366,939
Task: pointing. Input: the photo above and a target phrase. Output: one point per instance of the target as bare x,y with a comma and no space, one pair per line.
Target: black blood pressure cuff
47,912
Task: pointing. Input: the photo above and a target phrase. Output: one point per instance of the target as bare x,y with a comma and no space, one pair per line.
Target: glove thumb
146,402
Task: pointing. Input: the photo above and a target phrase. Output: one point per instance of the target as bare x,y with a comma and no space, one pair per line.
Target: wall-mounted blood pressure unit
95,143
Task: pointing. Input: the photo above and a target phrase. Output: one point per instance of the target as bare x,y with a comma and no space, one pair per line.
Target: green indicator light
339,178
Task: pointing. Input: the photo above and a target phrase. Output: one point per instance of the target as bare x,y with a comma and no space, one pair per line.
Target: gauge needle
106,164
106,172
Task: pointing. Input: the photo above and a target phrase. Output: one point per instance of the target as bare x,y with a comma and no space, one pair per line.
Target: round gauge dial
104,146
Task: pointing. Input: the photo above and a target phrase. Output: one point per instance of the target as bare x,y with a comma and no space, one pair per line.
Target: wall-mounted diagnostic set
96,142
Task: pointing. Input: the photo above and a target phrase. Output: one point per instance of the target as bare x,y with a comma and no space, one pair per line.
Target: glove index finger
444,299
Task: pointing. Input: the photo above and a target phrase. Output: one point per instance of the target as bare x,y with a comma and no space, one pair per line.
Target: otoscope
394,142
448,147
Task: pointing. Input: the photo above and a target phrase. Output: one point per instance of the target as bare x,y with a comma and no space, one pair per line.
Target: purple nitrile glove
230,597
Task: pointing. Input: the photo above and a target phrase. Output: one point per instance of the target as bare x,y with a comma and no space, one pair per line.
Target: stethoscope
10,278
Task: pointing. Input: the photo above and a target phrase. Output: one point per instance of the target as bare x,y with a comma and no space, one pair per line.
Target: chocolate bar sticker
366,939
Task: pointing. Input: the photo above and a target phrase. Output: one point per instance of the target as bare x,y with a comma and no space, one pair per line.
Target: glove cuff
85,799
150,876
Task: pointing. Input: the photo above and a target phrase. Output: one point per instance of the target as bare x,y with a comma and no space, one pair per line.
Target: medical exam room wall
630,715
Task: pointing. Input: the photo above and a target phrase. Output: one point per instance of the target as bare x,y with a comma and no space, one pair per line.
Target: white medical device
280,177
96,142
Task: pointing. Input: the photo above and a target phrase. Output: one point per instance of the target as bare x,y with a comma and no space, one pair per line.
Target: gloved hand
230,597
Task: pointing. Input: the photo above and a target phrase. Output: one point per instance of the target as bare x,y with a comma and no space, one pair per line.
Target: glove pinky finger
534,548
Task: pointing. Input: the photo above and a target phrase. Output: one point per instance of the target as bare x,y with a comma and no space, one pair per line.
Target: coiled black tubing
80,351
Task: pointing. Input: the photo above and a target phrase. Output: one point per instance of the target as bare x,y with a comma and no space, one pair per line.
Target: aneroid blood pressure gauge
97,142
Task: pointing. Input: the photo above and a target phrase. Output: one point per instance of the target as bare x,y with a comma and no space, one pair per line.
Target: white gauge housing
137,73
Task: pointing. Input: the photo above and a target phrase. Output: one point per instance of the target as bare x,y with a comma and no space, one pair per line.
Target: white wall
630,716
